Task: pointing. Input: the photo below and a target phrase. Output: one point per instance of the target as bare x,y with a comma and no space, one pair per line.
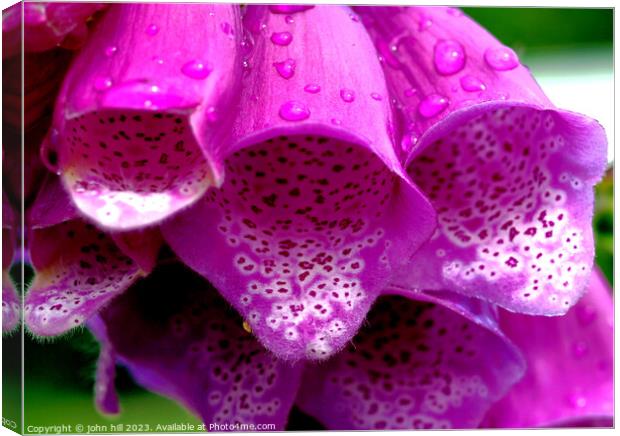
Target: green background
60,372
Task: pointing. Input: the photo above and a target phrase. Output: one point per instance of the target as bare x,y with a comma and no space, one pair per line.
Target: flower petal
315,213
47,25
134,135
192,347
415,365
510,175
570,361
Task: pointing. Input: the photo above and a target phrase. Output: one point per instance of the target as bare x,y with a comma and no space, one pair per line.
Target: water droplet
501,58
294,111
424,23
312,88
102,83
347,95
289,19
336,121
432,105
449,57
110,50
152,30
212,115
282,38
289,9
472,84
577,401
286,68
409,140
376,96
580,349
196,69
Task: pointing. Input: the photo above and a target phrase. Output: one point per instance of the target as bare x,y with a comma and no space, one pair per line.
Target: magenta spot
347,95
289,20
501,58
110,50
102,83
282,38
432,105
152,30
312,88
294,111
376,96
449,57
286,68
196,69
289,9
472,84
424,23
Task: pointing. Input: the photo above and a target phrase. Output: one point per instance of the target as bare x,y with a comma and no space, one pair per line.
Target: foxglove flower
79,268
313,186
11,307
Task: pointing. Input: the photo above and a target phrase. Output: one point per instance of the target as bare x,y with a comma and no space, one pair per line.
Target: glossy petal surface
510,175
134,136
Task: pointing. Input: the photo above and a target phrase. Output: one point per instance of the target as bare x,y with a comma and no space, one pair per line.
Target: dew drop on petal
432,105
110,50
212,115
424,23
196,69
289,19
282,38
152,30
501,58
294,111
376,96
312,88
286,68
347,95
102,83
449,57
472,84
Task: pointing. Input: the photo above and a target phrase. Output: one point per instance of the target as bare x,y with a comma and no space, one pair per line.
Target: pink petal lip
498,161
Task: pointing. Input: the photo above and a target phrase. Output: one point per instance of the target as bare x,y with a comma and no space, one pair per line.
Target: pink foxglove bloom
365,213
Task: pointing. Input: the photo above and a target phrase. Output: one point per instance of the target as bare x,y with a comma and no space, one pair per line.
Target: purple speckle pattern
78,270
193,347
